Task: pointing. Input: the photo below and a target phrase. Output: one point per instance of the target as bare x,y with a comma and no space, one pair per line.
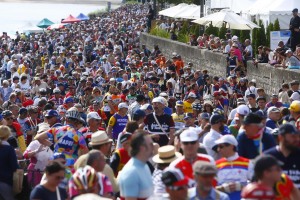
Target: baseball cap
122,105
179,103
288,51
188,136
188,115
158,100
51,113
240,101
172,176
146,106
295,10
204,168
6,113
273,109
163,94
294,82
230,139
265,162
262,114
287,128
204,115
69,100
139,113
22,110
252,118
93,115
125,137
215,118
251,95
56,90
192,95
243,110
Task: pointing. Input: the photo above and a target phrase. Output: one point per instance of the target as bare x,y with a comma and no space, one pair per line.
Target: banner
277,36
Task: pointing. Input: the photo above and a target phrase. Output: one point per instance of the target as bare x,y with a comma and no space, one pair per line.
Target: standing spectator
165,156
287,152
189,144
8,164
49,190
204,173
255,138
248,52
176,183
294,28
5,91
217,126
273,117
134,179
66,139
159,124
234,171
274,102
295,114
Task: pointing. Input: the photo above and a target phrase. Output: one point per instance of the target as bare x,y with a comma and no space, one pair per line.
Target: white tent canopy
172,10
235,5
233,21
190,12
270,10
30,28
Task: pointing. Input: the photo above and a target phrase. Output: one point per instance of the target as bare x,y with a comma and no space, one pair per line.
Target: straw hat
99,137
166,154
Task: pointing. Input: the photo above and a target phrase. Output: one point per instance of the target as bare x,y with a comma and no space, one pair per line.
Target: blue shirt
135,180
212,195
271,124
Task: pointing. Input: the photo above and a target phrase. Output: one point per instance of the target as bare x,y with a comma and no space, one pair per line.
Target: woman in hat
165,156
8,164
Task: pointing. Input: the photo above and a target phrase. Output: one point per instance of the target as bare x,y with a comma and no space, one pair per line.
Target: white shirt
209,142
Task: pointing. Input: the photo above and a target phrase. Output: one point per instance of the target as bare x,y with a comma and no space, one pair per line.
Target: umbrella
82,17
44,23
193,12
56,26
170,11
232,20
70,19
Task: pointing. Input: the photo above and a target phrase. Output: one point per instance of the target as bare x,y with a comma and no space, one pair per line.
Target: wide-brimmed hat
166,154
99,137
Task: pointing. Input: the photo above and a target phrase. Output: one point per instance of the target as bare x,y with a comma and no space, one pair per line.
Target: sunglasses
187,143
9,118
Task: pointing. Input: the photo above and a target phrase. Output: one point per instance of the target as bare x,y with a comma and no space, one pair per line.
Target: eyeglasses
9,118
177,188
187,143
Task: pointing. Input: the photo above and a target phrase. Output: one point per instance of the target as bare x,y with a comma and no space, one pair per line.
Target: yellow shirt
187,107
21,69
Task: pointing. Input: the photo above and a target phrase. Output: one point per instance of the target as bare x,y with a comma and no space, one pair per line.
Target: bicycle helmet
197,106
73,113
85,178
218,111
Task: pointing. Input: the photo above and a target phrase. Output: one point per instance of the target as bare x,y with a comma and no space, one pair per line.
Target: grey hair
94,155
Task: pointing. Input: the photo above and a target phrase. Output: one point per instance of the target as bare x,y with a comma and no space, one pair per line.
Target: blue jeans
6,191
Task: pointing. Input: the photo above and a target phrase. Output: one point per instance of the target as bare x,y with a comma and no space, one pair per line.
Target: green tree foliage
195,29
244,34
235,32
260,36
222,32
269,29
276,25
212,30
183,33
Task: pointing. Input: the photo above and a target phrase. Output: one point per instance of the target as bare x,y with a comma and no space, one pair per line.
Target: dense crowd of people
90,113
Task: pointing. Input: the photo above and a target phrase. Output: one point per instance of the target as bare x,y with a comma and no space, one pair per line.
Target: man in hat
234,171
37,85
93,121
189,120
165,156
255,138
240,101
187,104
217,126
273,117
176,184
288,151
295,114
190,145
178,116
134,178
53,118
66,139
294,28
160,125
138,101
204,174
101,142
118,121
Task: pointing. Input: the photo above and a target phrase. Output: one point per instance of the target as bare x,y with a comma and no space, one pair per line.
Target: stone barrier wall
266,76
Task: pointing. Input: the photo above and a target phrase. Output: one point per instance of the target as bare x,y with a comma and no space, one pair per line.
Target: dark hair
137,141
54,167
131,126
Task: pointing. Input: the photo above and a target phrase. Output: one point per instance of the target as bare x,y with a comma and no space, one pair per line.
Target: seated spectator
292,60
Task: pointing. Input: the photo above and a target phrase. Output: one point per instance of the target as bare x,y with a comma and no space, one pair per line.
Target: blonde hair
4,133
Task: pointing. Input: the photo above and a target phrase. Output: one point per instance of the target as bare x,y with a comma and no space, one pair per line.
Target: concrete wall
266,76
